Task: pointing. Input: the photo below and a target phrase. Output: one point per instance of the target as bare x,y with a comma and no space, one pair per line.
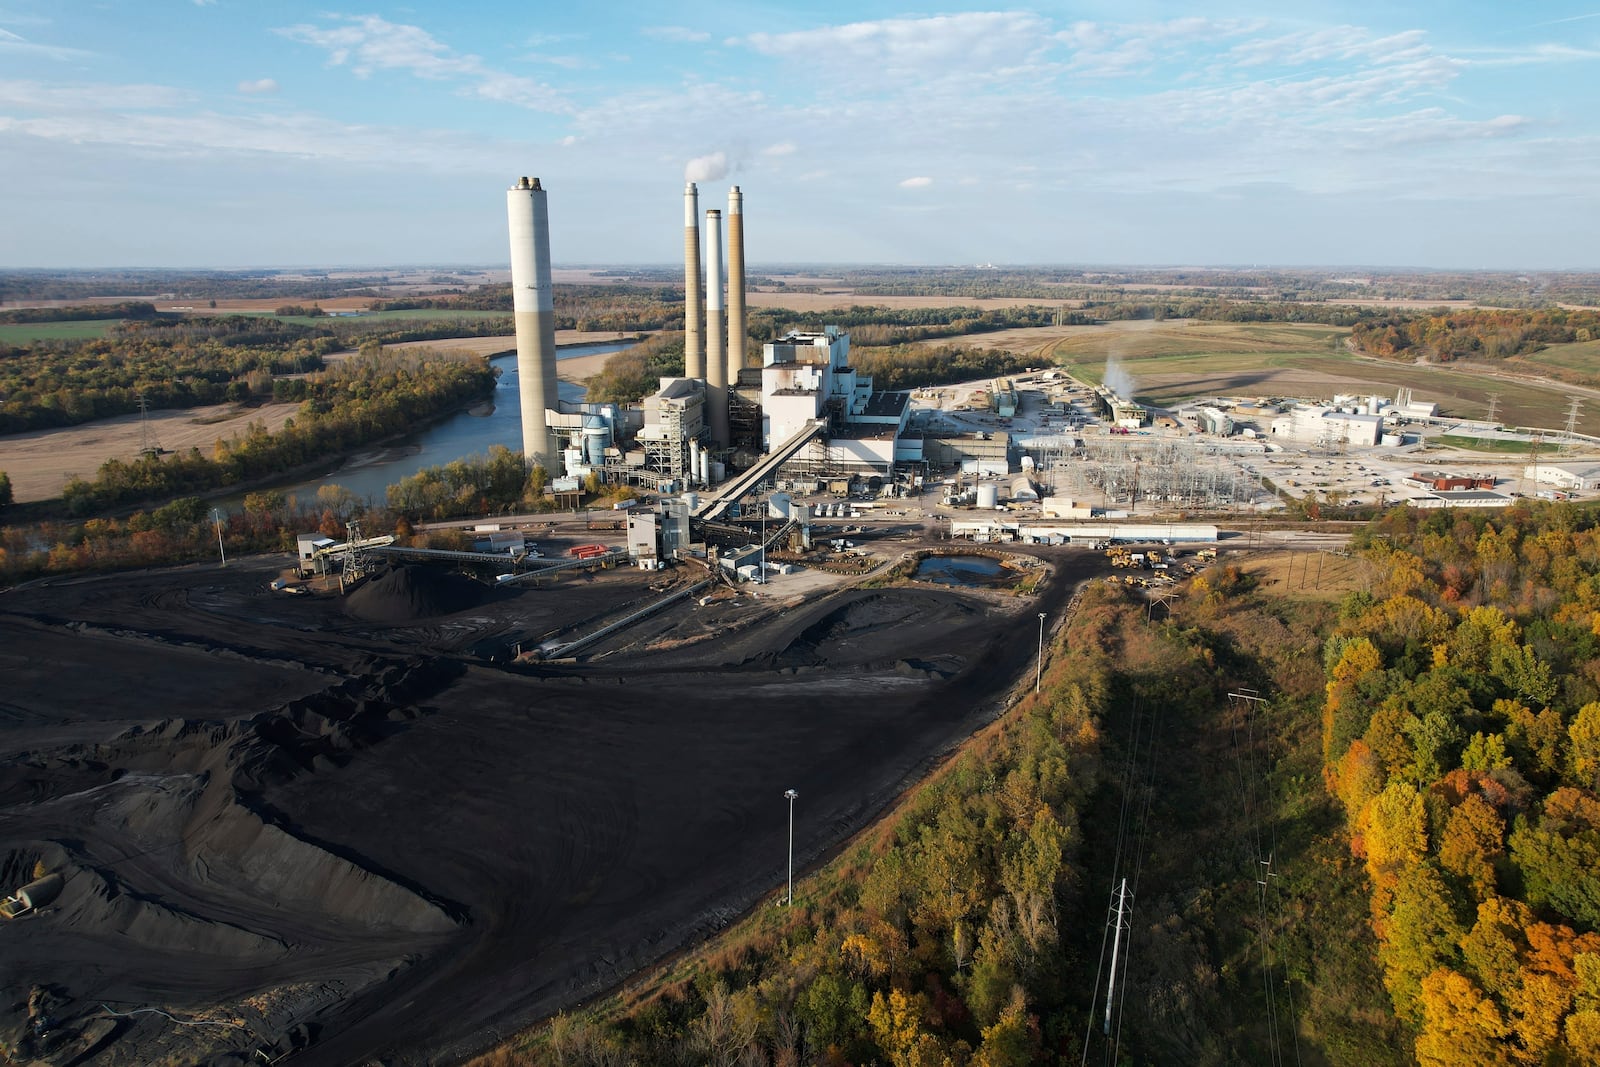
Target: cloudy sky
1442,133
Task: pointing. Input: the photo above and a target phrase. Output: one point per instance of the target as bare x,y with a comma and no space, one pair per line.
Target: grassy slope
23,332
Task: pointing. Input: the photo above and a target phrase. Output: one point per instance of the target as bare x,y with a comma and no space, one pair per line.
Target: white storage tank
989,496
778,506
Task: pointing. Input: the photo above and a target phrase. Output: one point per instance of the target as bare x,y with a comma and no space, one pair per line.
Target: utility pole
1116,944
223,552
1038,663
791,795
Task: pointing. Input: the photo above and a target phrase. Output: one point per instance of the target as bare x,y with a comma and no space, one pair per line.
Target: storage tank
778,506
1391,440
596,439
692,499
988,496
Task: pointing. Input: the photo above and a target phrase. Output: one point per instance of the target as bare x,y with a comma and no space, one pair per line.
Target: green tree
5,490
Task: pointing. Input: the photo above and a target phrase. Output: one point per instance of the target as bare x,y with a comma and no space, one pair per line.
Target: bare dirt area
39,463
334,825
847,299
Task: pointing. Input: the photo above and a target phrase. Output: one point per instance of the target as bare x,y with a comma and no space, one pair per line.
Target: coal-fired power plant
736,322
533,304
694,353
716,358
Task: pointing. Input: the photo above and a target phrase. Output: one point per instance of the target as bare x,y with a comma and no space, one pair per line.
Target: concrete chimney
736,322
716,359
533,307
694,353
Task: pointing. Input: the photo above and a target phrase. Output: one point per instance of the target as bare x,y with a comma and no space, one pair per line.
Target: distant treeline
131,309
364,400
1468,334
171,363
911,366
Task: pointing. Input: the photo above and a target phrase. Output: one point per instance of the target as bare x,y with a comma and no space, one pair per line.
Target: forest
1474,334
1461,733
356,402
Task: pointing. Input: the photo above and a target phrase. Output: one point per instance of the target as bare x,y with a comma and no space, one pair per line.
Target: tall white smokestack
533,306
694,353
716,361
736,322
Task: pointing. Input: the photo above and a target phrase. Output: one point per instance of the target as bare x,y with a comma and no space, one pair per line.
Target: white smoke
1118,380
707,168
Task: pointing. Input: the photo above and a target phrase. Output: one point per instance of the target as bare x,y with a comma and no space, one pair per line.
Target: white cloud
11,42
678,34
919,182
782,148
36,96
369,43
979,43
259,85
706,168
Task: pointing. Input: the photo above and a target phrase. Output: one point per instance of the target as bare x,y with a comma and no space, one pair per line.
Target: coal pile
409,593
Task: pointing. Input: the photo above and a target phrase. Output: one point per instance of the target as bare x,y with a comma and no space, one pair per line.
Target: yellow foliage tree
1461,1026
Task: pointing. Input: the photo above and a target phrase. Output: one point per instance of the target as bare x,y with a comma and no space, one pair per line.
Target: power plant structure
806,407
694,353
533,307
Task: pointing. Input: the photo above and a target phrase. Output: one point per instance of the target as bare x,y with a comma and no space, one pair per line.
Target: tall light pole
791,794
223,552
1038,663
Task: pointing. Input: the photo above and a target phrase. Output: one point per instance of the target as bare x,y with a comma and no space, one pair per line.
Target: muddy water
967,571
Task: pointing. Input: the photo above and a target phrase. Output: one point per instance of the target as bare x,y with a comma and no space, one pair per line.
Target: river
467,433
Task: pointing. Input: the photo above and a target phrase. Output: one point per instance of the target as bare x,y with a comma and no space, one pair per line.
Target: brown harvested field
39,463
845,299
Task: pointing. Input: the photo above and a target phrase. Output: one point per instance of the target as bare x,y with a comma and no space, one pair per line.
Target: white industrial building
1570,478
1329,426
806,377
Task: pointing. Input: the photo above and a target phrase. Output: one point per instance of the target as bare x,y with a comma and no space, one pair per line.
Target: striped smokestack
694,354
736,323
533,307
716,360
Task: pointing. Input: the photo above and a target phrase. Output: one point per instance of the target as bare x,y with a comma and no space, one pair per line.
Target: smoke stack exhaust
716,360
694,354
533,307
736,320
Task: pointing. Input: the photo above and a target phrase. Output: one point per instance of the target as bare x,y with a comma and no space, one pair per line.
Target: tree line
364,400
1484,334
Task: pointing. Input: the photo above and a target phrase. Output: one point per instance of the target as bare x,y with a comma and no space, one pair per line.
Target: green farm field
1577,362
23,332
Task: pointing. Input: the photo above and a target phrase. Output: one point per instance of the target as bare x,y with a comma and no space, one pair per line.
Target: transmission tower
147,438
1573,409
1489,424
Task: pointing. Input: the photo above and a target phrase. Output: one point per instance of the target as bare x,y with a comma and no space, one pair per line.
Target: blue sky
237,133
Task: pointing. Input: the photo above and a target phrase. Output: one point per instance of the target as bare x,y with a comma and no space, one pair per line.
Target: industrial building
1569,478
1329,427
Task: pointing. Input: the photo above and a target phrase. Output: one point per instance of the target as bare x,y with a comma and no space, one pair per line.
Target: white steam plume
706,168
1118,380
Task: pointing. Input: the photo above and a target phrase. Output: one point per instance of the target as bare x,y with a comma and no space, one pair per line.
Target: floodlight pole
223,552
1038,663
791,795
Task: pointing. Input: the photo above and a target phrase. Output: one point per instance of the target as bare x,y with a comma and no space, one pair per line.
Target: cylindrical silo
716,361
596,438
694,353
988,496
533,306
778,505
736,323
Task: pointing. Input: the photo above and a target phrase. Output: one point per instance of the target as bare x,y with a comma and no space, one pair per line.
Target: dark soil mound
406,594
